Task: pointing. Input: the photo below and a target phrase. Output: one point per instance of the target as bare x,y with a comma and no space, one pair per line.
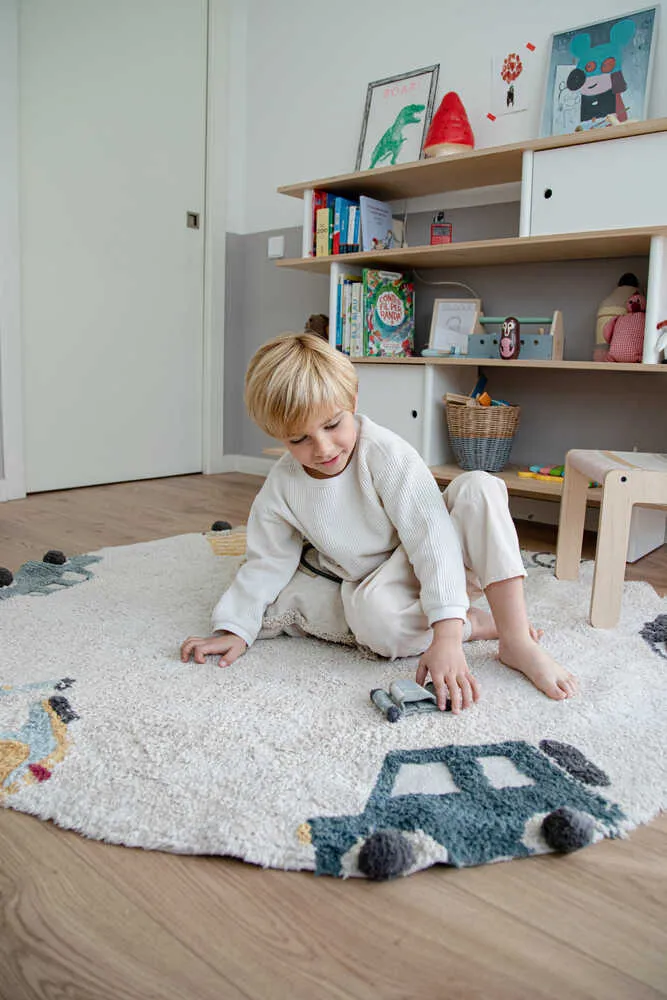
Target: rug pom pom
385,855
6,577
221,526
55,557
567,830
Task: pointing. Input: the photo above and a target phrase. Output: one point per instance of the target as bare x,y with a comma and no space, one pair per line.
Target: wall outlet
276,246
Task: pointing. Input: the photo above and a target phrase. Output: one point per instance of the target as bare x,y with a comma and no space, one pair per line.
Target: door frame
214,214
12,482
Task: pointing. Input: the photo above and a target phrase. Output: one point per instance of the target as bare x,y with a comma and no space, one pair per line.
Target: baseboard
247,463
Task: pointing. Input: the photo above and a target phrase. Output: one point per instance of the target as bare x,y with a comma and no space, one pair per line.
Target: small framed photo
599,74
452,322
397,115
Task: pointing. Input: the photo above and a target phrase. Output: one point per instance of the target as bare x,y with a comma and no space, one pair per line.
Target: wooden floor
81,919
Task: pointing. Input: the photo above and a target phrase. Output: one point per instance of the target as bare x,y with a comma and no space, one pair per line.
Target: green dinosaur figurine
392,140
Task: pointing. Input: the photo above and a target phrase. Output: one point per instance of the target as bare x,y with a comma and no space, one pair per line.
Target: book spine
336,240
356,324
308,234
323,232
319,201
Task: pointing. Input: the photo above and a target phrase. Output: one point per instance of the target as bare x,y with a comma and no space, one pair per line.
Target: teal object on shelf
534,347
526,320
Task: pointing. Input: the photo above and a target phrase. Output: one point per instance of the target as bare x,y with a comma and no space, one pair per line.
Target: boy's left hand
445,661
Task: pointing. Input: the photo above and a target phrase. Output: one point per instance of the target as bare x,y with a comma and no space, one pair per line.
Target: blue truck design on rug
477,802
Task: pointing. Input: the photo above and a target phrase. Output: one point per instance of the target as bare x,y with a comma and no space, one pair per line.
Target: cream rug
282,760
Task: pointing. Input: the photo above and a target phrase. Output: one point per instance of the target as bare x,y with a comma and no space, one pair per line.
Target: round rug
282,759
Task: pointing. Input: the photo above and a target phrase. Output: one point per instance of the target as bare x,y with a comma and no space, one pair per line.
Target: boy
404,553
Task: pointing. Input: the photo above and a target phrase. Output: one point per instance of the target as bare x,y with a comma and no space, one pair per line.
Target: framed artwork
397,114
599,74
452,322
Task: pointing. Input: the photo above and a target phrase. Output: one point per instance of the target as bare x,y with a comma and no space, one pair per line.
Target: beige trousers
383,611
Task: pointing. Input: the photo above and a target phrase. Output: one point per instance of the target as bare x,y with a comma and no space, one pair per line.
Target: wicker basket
482,436
228,543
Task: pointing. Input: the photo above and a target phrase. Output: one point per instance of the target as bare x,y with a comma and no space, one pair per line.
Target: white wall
308,64
11,457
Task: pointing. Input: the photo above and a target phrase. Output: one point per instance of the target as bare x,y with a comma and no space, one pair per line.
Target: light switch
276,246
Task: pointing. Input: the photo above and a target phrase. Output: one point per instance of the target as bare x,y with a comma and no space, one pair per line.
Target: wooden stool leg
611,549
571,523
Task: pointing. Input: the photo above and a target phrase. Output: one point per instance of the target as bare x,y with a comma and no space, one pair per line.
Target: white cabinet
408,399
603,185
394,396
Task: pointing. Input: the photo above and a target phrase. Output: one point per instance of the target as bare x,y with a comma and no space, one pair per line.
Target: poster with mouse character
599,74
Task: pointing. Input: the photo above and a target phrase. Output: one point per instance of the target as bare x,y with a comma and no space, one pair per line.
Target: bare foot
484,627
532,660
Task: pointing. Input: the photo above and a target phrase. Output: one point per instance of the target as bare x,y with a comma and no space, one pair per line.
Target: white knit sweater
386,496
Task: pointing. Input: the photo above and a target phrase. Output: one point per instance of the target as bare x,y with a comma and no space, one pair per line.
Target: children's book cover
377,230
389,314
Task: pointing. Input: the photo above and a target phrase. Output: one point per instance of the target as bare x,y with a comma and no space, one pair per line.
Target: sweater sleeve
273,554
415,506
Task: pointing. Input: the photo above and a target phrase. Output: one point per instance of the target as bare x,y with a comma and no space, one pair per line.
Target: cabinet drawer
617,184
393,395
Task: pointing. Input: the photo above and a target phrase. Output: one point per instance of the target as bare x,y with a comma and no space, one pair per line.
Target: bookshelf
515,250
571,209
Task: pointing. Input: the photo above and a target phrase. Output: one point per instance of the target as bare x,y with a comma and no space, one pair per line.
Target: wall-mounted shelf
570,366
515,250
476,168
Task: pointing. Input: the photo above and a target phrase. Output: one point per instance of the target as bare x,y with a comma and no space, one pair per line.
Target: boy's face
325,445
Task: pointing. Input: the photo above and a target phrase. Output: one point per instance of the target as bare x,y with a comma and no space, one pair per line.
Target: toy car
406,697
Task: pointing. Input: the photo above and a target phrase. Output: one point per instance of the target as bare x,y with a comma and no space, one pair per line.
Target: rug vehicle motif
479,803
29,752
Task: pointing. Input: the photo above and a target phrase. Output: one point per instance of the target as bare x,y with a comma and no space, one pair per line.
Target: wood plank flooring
89,921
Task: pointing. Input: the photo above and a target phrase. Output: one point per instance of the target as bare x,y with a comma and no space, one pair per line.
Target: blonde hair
293,377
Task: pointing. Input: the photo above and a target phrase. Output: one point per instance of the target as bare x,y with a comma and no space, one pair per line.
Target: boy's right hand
229,646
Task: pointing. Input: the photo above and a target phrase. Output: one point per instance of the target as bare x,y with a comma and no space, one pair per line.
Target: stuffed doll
625,334
319,324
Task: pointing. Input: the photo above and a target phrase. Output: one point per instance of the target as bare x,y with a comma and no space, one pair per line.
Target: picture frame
397,115
452,322
599,74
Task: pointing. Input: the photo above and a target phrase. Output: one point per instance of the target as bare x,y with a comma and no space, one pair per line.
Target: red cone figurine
450,130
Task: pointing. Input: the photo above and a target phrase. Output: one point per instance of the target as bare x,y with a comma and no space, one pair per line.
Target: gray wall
560,410
262,301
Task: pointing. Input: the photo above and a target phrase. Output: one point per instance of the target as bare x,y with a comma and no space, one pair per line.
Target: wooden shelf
471,169
516,486
583,366
513,250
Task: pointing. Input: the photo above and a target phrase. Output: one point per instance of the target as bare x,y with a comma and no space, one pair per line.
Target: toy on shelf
613,305
625,334
449,131
546,344
441,231
661,343
546,474
510,339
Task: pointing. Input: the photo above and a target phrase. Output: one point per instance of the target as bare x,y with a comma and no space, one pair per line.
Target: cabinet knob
414,414
548,192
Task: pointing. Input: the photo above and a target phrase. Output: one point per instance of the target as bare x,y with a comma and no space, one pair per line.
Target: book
356,320
323,232
319,201
377,224
343,311
342,208
389,314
